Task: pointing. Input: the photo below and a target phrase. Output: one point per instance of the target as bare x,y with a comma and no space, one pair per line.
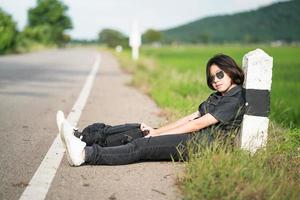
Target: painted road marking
42,179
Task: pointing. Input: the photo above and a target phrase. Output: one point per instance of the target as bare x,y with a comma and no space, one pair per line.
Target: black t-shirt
227,109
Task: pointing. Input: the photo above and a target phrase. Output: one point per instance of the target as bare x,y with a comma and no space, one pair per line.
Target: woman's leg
123,134
142,149
106,135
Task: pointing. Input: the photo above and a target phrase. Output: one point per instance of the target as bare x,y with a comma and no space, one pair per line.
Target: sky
89,17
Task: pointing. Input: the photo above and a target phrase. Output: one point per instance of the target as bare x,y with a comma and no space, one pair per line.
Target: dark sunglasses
219,75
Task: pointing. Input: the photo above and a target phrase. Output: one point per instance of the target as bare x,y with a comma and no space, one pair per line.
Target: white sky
91,16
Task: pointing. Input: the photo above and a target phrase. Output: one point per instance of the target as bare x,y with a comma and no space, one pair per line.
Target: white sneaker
74,146
60,118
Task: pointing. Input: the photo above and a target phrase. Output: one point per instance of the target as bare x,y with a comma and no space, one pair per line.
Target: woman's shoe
60,118
74,146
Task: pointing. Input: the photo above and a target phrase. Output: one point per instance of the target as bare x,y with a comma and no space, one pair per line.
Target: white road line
41,180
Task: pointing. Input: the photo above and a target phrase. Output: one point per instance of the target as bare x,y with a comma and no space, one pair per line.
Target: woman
222,112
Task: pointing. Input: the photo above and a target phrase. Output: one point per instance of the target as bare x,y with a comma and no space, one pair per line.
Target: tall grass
175,78
272,173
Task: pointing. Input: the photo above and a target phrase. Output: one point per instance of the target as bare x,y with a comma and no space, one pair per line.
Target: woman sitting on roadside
222,112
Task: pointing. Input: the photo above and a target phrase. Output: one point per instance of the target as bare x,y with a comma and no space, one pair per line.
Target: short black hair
226,64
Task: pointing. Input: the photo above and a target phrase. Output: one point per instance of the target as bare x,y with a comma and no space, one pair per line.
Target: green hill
279,21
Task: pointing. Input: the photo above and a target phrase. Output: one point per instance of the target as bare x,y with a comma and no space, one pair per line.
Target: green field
180,73
175,78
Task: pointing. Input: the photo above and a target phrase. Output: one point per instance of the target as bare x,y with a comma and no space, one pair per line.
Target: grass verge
175,79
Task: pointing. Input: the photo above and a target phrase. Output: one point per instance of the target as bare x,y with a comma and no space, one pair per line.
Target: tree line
277,22
47,25
113,38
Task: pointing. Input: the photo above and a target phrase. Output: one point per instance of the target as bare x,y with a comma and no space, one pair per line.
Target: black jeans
126,144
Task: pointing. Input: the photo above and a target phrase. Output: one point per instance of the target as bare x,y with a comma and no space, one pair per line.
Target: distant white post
135,40
258,78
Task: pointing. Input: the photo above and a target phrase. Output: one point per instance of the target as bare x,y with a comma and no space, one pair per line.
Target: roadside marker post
257,66
135,41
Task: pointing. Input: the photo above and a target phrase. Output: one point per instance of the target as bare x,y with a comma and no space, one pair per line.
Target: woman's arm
177,123
190,126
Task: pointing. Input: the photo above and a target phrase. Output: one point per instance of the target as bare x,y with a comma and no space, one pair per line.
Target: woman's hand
150,134
147,130
145,127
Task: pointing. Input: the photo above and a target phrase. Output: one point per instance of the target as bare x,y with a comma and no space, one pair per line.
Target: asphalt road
33,87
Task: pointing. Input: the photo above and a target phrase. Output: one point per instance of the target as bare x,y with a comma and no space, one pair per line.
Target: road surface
33,87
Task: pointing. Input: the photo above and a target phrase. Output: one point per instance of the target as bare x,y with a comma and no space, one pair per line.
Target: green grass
175,78
214,173
180,72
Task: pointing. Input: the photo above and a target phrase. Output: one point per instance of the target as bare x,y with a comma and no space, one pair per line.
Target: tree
205,38
8,32
51,15
41,34
151,36
113,38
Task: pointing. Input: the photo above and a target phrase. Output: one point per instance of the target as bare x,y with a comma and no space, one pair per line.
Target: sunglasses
219,75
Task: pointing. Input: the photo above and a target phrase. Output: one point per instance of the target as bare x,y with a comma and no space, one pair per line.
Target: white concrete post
135,41
257,85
